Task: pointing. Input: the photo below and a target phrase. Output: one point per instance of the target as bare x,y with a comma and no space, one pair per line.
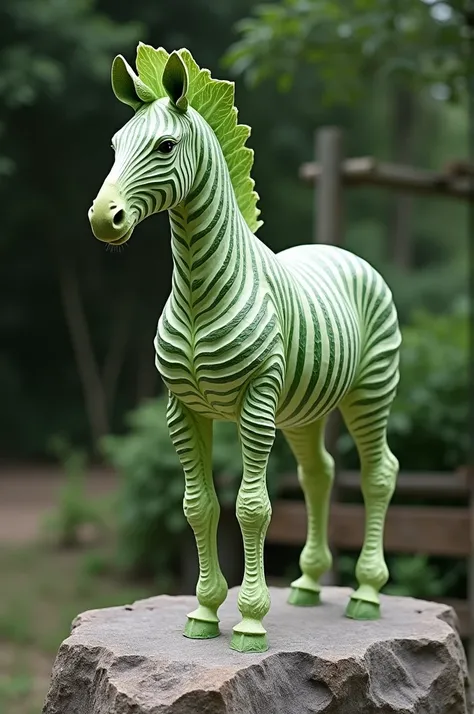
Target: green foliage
43,590
410,576
428,428
149,515
419,43
15,621
430,416
45,41
74,509
428,291
96,563
151,522
417,577
14,688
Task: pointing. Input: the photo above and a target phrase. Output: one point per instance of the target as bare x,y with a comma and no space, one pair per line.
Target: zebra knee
201,509
317,470
253,509
326,466
371,569
315,560
379,478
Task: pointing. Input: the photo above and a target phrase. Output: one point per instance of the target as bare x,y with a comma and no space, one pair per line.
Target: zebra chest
199,367
209,365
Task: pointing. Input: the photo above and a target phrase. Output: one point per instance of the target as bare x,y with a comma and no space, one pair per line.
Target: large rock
134,660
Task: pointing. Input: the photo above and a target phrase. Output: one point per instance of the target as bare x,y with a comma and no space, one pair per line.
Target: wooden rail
408,529
430,484
368,171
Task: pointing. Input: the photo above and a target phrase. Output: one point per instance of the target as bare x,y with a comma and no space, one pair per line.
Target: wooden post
329,220
328,229
328,190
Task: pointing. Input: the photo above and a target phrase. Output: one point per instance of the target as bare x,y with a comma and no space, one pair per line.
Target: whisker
115,248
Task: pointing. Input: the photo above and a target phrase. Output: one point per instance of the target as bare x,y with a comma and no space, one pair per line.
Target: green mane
212,98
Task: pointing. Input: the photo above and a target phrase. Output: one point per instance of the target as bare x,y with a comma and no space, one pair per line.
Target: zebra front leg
316,476
257,434
192,438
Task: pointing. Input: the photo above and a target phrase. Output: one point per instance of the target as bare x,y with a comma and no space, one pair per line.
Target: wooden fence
367,171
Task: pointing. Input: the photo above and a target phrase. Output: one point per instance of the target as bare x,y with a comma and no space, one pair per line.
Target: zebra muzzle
109,218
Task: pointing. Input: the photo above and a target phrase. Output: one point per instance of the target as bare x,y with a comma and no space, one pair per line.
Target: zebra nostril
118,218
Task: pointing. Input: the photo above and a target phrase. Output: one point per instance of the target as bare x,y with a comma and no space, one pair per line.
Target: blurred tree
48,46
55,62
357,45
422,42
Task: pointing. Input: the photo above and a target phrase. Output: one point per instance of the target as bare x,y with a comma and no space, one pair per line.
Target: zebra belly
324,342
316,391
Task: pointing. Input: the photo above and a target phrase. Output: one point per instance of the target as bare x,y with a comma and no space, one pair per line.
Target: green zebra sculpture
267,341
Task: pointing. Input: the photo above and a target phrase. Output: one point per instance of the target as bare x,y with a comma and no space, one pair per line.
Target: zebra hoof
362,610
201,630
245,642
249,636
303,598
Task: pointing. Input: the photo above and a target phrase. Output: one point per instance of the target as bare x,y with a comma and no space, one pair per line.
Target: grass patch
42,592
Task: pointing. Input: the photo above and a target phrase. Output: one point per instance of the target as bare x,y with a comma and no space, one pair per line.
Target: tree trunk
89,374
117,349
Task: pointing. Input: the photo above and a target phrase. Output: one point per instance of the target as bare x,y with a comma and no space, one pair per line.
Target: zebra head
154,167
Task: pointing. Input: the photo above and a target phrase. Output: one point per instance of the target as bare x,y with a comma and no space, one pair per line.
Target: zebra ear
128,87
175,81
123,83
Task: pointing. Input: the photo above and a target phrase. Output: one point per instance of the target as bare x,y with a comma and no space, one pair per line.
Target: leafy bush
429,289
428,427
74,509
151,522
410,575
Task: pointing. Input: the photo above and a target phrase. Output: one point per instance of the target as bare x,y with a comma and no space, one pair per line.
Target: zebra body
268,341
337,308
315,309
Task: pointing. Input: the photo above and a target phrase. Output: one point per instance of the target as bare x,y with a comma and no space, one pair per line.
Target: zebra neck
209,238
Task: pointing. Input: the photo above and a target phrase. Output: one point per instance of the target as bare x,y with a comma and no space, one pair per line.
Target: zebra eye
166,147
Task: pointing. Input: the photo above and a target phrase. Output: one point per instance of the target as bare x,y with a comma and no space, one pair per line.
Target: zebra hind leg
316,475
366,418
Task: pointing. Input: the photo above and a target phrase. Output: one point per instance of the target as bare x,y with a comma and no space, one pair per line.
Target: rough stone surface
135,660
